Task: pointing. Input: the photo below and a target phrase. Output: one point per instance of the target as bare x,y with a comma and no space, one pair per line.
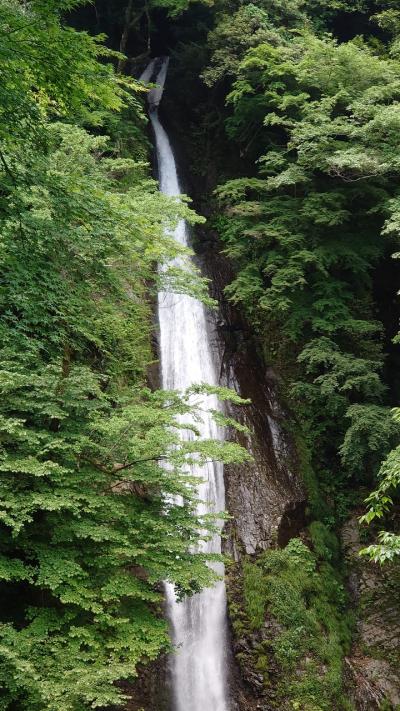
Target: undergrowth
301,590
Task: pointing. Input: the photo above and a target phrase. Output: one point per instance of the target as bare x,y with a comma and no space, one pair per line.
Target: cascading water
198,624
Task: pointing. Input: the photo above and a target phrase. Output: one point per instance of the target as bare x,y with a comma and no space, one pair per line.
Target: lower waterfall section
198,624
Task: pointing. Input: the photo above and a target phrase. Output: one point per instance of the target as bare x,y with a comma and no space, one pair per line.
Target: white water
198,624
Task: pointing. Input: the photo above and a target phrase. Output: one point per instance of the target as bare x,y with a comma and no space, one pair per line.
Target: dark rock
151,691
373,668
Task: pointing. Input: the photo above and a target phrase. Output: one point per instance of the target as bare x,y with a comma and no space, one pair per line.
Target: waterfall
198,624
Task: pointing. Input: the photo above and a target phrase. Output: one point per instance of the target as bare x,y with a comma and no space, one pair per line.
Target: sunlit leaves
305,235
98,500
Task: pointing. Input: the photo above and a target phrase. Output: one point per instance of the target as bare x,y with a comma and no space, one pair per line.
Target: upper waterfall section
156,72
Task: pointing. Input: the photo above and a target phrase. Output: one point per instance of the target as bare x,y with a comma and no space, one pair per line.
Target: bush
303,593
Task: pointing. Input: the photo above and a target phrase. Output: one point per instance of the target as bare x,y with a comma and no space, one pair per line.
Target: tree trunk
125,36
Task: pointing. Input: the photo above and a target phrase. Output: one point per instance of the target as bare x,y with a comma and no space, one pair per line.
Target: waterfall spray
198,624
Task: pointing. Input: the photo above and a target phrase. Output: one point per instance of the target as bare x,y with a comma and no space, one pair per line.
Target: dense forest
286,114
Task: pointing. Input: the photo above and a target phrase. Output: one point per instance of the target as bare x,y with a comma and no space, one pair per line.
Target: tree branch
7,169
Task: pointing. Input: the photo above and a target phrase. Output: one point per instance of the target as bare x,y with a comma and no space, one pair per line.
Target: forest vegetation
89,522
290,115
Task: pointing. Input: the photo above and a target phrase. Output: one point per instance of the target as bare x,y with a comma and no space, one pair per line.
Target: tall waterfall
198,624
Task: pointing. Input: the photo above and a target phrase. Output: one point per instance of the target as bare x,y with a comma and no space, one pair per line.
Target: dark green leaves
306,234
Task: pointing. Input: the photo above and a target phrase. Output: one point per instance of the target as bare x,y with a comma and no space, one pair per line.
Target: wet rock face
266,498
373,669
151,691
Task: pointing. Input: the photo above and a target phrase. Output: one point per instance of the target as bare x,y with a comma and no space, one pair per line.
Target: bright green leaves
51,70
98,504
91,524
300,594
388,547
14,570
233,35
321,120
336,371
70,209
86,663
380,502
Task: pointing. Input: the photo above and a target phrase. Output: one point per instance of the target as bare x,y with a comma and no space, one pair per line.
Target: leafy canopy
306,232
92,467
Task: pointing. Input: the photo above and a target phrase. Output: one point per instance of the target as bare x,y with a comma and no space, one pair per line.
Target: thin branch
120,467
7,169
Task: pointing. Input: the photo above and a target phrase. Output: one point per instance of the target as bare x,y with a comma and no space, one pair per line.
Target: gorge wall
277,497
268,504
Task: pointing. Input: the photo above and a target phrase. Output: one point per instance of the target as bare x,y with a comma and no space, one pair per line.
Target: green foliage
241,26
253,594
309,220
175,7
233,36
306,234
98,503
380,503
51,70
89,516
371,432
301,591
386,549
89,520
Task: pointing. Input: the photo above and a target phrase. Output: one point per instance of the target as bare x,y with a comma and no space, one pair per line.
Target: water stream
198,624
